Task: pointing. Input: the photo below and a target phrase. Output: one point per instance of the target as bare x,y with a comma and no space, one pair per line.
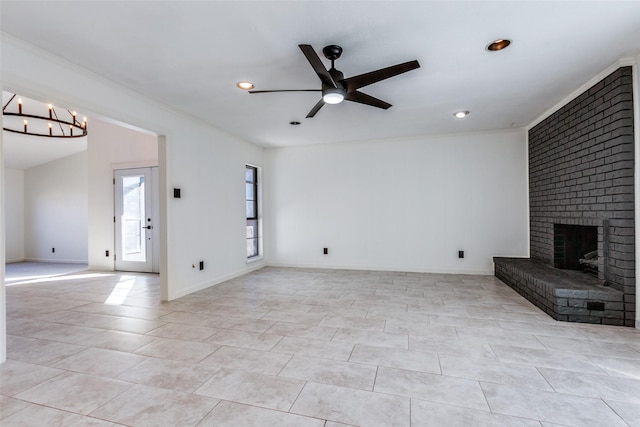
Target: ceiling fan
335,88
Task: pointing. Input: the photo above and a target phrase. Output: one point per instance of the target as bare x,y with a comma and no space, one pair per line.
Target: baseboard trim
378,268
60,261
217,281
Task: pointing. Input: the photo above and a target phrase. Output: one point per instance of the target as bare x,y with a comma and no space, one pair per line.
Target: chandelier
65,125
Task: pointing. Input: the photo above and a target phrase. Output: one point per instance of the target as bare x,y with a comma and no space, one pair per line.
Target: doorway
137,243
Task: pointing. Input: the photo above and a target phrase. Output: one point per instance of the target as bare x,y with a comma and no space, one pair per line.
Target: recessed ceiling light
245,85
294,123
461,114
498,45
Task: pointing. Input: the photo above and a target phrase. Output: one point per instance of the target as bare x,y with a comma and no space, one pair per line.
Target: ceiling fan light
333,96
461,114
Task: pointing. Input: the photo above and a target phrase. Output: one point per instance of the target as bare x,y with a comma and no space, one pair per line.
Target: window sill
254,259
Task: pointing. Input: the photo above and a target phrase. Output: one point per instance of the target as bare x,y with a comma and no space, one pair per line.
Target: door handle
148,227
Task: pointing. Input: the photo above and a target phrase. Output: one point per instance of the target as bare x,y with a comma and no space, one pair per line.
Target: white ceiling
190,54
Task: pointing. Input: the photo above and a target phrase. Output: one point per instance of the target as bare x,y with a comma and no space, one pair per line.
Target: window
251,189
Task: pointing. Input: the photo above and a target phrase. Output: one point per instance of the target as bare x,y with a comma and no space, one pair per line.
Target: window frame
255,218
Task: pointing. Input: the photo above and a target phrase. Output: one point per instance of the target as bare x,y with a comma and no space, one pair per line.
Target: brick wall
581,173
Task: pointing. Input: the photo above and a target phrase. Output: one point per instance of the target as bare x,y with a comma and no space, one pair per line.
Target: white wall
55,210
14,211
3,303
111,147
406,205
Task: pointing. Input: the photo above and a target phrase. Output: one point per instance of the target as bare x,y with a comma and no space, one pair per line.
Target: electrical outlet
460,254
325,251
53,250
106,253
201,265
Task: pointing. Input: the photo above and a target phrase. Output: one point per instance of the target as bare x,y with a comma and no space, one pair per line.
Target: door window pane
133,212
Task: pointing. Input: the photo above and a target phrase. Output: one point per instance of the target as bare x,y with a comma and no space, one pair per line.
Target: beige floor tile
9,406
297,318
334,424
354,407
16,376
396,358
411,327
618,367
551,407
302,331
314,348
201,319
119,341
99,361
229,414
227,310
435,388
454,347
499,336
560,330
185,351
606,333
593,385
343,374
149,406
430,414
122,310
492,371
244,324
285,306
327,310
545,358
420,329
183,332
73,392
336,321
374,338
40,352
244,339
589,347
462,321
168,374
630,412
63,333
38,416
266,391
245,359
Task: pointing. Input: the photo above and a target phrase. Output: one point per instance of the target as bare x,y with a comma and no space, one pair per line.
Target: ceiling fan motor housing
334,95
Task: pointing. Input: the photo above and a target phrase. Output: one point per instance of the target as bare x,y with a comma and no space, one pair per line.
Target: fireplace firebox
575,247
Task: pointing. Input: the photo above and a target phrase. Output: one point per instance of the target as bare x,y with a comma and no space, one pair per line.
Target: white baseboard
378,268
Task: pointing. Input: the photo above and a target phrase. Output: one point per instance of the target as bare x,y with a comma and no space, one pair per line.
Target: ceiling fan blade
356,82
315,109
317,64
285,90
363,98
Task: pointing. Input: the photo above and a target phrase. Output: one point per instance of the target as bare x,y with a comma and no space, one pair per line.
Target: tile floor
300,347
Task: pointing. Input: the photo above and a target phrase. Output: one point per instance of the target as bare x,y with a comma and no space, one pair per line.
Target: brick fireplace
581,192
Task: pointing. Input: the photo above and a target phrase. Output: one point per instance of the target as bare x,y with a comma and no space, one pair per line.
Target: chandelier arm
8,102
59,124
43,134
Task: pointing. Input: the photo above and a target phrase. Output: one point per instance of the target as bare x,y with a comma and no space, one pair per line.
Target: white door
135,218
